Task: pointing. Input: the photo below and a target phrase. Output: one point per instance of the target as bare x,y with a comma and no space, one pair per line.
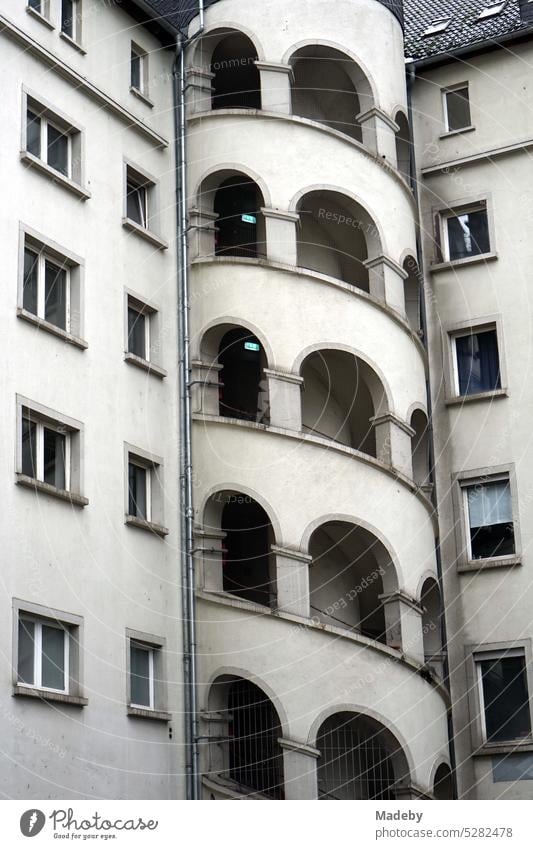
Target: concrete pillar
280,230
386,282
209,550
393,442
299,767
403,623
215,727
285,398
199,91
292,580
202,231
205,389
379,134
276,79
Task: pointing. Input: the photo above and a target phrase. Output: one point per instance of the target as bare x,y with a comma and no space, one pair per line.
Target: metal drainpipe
193,778
411,74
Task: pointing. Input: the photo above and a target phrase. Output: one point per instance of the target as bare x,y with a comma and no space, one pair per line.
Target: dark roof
463,29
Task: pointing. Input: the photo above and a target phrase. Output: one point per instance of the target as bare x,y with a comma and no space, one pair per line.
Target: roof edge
468,49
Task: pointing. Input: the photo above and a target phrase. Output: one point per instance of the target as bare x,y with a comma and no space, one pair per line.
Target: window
71,19
146,690
457,108
141,205
138,69
139,489
491,10
48,142
43,654
144,490
142,334
138,331
141,675
53,144
437,26
503,695
36,5
136,202
488,506
477,362
466,233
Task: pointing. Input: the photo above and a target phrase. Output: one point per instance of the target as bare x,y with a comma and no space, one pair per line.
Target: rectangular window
45,452
138,331
43,654
136,200
46,288
71,18
490,519
139,491
477,362
49,142
142,675
37,5
457,108
466,233
138,69
144,490
503,693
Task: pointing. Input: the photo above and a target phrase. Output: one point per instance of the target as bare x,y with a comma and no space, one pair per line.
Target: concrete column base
199,91
393,442
285,399
292,580
386,282
299,765
403,621
280,230
205,389
379,134
276,79
202,231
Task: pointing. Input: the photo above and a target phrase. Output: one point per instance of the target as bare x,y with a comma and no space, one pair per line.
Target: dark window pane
58,150
54,458
36,4
29,460
26,671
478,363
67,17
33,133
468,234
140,675
136,203
137,491
505,698
491,520
458,108
136,70
31,270
53,658
55,295
136,333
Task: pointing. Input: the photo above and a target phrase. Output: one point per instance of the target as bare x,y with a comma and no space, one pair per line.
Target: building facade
331,295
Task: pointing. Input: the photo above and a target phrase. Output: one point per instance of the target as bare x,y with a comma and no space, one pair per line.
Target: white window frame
455,212
445,92
42,258
471,331
149,469
150,186
465,486
142,55
76,21
37,652
485,478
43,14
43,156
140,310
39,444
501,654
151,678
152,327
154,489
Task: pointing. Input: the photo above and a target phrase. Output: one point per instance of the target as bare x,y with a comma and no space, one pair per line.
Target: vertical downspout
411,74
193,778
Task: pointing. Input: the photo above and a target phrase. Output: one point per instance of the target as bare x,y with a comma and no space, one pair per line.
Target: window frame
444,94
158,682
132,174
151,313
453,209
75,37
142,55
154,490
451,372
42,15
150,650
38,623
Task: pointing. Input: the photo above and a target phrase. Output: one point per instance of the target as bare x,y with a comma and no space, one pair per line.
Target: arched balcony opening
403,146
349,573
341,395
411,287
240,229
331,88
420,448
359,759
236,83
430,601
246,751
336,237
246,559
443,784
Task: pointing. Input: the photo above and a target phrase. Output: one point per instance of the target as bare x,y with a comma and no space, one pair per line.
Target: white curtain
490,504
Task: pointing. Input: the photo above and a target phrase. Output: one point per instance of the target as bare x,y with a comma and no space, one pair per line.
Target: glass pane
140,675
136,62
29,448
137,491
468,234
31,271
136,333
67,17
505,698
36,4
54,458
491,520
33,133
478,362
53,658
55,295
136,203
458,108
26,671
58,150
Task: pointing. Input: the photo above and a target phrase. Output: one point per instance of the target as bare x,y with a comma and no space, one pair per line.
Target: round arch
239,672
225,323
224,486
215,176
340,48
201,57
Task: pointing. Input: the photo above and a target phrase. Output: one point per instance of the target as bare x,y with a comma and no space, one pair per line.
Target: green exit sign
252,346
249,219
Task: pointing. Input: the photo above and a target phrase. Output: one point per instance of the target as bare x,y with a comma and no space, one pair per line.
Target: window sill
37,15
48,489
146,365
140,96
505,747
144,525
481,565
42,324
73,43
51,173
147,713
458,132
151,237
476,396
455,263
49,695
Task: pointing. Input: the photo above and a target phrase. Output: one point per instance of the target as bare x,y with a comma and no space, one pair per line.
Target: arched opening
247,752
420,448
443,784
239,225
236,82
411,288
349,572
430,601
329,87
336,236
403,146
341,395
359,759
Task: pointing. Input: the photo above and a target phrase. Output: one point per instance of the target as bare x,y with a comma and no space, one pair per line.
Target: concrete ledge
73,43
489,563
144,525
43,168
146,713
460,263
150,236
146,365
49,696
48,489
42,324
459,400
